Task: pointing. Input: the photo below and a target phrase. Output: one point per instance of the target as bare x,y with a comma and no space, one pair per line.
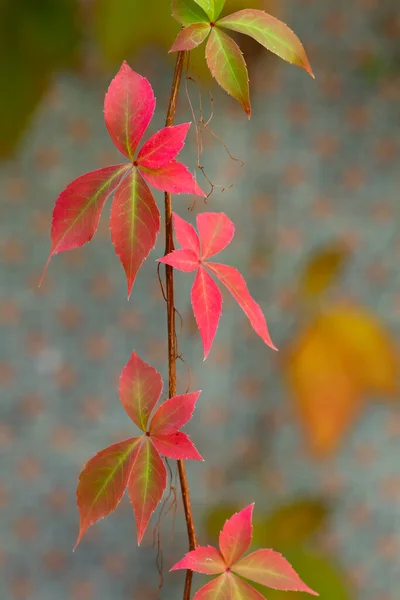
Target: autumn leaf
215,233
135,221
321,269
265,567
137,463
191,36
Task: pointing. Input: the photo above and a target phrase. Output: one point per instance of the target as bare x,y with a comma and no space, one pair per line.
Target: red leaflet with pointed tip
204,559
226,63
186,235
174,178
271,569
216,232
128,109
103,482
135,223
78,208
228,587
146,485
163,146
176,445
207,307
235,537
270,33
174,413
183,260
190,37
237,286
140,387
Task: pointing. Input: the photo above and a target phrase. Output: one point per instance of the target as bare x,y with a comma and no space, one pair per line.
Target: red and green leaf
227,65
163,146
187,12
271,569
135,223
128,109
146,485
237,286
103,481
140,387
78,208
271,33
228,586
207,307
190,37
174,178
204,559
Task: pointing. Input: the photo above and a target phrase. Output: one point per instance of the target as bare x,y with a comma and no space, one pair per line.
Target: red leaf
140,387
176,445
146,485
228,587
271,33
190,37
186,235
128,109
271,569
135,223
204,559
174,178
174,413
216,232
235,537
103,482
163,146
183,260
207,307
237,286
78,208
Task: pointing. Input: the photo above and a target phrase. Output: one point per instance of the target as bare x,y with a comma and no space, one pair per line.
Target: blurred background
312,433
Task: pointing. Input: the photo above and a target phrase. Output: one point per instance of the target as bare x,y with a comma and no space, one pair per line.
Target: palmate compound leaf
216,232
135,223
270,33
227,65
262,566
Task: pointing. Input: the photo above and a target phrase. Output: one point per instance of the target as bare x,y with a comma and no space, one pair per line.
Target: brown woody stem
169,275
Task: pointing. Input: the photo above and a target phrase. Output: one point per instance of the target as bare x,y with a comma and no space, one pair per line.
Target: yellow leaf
322,268
326,393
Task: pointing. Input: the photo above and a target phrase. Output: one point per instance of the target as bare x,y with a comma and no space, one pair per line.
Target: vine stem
169,276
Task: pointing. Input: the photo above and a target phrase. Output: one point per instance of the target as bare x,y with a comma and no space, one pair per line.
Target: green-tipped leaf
146,485
218,6
188,12
271,33
226,63
207,6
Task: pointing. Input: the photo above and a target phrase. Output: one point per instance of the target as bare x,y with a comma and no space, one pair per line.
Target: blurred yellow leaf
322,268
343,355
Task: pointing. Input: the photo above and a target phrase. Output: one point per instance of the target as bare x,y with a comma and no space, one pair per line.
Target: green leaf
188,12
226,63
218,6
270,33
321,575
207,6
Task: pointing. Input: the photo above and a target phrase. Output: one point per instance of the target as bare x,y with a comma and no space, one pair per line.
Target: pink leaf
174,178
235,283
271,569
176,445
190,37
135,223
163,146
204,559
174,413
216,232
183,260
78,208
103,482
140,387
228,587
207,307
235,537
186,235
128,109
146,485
